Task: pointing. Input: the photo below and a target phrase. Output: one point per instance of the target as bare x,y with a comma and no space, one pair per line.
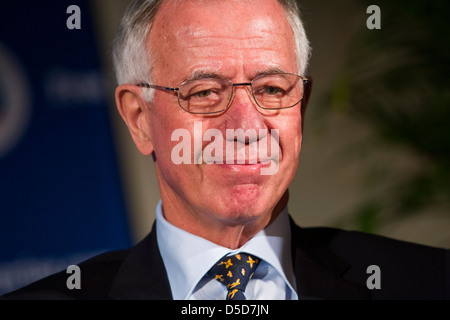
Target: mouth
245,166
237,153
249,168
239,162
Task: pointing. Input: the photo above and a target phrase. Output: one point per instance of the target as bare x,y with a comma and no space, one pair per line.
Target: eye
269,91
203,93
272,90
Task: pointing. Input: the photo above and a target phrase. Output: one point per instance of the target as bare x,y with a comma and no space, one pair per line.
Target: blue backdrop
60,194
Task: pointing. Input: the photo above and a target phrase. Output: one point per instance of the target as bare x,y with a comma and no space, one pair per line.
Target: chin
244,203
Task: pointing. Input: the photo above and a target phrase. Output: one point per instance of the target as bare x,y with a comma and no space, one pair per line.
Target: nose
243,113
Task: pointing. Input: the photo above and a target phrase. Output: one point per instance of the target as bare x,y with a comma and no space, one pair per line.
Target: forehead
191,34
185,15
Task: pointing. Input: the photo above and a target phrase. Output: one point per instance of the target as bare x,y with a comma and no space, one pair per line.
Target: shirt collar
188,257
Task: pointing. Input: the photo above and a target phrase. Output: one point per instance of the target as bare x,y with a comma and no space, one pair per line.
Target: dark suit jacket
328,264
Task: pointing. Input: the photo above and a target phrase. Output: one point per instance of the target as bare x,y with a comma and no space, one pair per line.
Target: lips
236,161
242,153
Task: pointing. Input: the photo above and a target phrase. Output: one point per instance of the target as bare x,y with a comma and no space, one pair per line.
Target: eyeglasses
214,95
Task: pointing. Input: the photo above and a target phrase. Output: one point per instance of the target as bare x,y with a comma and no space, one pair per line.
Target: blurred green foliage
397,80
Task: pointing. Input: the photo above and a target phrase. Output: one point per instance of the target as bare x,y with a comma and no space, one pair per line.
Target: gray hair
132,58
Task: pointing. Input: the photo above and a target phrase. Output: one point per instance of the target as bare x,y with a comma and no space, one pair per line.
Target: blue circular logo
15,101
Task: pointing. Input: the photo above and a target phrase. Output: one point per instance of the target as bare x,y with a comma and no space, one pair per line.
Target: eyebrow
202,74
270,71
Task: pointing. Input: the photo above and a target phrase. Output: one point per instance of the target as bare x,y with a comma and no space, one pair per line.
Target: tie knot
234,271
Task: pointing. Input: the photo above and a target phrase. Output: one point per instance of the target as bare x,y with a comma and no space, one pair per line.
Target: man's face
236,40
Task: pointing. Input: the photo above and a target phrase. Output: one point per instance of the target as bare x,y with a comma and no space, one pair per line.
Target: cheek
290,145
290,135
169,122
164,119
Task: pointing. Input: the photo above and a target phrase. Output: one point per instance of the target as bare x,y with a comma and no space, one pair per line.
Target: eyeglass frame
304,79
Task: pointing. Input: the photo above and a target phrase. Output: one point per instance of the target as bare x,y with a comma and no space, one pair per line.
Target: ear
135,112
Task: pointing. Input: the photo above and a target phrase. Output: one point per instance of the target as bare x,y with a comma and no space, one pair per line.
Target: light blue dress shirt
187,258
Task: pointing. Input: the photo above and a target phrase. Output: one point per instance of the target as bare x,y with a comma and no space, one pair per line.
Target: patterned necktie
234,272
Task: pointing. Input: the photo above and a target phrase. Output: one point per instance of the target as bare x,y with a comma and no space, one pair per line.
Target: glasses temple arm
152,86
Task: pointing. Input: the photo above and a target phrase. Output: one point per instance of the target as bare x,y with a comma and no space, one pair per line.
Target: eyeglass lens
211,95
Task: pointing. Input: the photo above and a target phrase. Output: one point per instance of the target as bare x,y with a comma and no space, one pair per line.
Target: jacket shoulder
407,270
96,277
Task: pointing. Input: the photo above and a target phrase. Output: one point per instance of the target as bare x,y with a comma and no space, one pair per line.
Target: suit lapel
318,270
142,275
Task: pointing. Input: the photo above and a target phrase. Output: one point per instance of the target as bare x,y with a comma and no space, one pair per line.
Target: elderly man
208,88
